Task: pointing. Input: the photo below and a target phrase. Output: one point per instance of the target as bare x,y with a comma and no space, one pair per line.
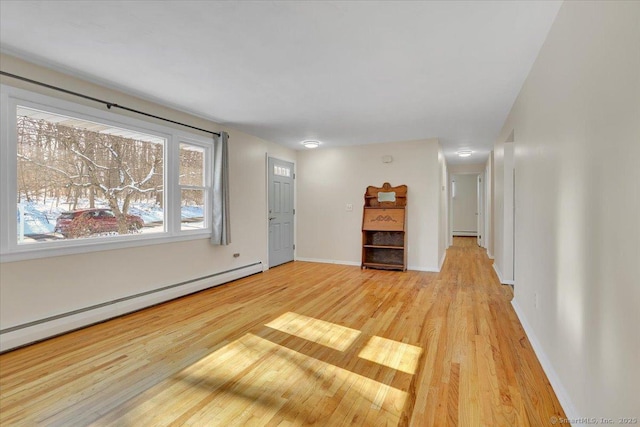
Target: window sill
86,246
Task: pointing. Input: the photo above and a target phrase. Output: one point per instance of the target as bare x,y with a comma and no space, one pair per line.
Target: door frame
266,206
480,181
451,207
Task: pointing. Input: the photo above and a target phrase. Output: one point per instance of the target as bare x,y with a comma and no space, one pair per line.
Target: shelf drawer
383,219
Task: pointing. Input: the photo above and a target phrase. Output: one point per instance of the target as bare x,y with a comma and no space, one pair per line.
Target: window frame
10,250
207,181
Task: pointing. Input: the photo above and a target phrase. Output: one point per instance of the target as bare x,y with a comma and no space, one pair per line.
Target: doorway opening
466,206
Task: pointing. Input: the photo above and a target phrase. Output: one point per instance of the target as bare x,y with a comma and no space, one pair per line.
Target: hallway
480,368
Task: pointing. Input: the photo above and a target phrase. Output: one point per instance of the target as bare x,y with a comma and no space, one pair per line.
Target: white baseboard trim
328,261
31,332
503,281
334,261
444,256
465,233
489,254
563,396
421,268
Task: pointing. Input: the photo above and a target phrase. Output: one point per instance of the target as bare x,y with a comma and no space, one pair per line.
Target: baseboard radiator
465,233
37,330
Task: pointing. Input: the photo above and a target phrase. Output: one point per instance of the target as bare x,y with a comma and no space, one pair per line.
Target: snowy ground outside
40,218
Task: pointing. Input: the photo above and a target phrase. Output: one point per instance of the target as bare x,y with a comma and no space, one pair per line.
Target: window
77,177
110,178
281,171
193,192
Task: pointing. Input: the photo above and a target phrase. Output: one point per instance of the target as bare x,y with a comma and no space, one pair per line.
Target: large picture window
80,177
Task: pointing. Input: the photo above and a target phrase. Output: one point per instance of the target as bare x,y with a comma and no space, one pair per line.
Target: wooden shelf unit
384,238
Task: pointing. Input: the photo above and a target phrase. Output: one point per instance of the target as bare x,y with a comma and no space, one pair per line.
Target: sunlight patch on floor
325,333
252,381
393,354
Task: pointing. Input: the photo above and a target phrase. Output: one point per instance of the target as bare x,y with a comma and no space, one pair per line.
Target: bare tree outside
192,183
67,160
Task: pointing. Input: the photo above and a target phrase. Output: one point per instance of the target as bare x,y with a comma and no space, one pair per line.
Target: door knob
272,217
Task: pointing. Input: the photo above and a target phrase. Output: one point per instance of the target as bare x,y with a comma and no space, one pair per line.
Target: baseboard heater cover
37,330
465,233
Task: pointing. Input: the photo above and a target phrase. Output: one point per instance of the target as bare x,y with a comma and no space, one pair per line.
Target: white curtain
221,233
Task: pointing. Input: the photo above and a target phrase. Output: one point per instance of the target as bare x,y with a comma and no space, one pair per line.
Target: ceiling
340,72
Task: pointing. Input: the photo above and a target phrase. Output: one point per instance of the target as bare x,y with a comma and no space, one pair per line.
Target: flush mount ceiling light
464,153
310,143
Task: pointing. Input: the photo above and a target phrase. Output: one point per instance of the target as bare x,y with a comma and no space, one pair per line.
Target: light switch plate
349,207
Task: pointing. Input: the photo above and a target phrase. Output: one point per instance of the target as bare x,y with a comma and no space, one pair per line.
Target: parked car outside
84,222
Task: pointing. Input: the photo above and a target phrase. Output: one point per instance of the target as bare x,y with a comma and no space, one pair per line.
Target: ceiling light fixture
311,143
464,153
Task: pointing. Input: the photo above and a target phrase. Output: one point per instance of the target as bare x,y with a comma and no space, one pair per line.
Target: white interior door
280,212
480,211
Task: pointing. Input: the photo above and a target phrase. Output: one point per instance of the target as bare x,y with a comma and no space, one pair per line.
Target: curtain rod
107,103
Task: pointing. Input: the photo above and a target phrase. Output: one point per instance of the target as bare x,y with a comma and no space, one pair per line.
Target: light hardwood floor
301,344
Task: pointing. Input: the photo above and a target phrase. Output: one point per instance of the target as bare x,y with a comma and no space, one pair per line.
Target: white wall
472,168
464,205
328,179
36,289
577,145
